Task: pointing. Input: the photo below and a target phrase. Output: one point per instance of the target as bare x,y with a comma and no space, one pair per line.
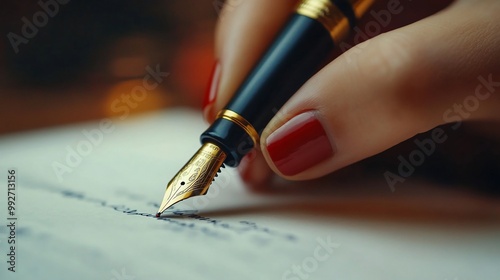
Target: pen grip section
296,54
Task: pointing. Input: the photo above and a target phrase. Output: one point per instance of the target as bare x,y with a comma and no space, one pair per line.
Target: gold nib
195,177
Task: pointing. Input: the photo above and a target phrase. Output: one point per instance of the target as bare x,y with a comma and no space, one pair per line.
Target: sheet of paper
85,196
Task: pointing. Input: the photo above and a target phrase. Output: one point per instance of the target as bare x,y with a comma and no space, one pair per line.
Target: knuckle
387,58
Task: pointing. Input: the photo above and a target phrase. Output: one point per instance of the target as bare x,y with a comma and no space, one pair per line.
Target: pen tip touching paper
158,215
195,177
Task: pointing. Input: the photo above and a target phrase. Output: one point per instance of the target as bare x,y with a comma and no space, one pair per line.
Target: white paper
95,220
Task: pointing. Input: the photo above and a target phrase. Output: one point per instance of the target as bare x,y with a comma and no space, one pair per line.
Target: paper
86,195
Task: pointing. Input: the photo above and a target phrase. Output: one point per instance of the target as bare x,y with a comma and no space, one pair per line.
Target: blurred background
68,61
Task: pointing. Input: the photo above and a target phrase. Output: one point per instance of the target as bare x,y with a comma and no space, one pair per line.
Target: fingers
254,171
245,29
442,69
243,33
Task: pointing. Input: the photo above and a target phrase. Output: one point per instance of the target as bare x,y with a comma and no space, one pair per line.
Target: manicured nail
211,92
299,144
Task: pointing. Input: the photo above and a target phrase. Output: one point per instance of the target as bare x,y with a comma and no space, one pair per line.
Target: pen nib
195,177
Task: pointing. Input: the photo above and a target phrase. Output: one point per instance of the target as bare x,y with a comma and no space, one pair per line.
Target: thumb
388,89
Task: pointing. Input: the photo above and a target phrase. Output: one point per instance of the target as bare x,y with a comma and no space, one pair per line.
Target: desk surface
86,195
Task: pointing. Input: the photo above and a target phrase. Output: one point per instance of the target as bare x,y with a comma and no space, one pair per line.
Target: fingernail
211,92
299,144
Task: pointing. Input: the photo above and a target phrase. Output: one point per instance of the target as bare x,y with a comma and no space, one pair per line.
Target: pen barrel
299,50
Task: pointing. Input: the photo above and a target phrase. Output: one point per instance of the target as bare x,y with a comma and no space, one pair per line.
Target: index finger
244,31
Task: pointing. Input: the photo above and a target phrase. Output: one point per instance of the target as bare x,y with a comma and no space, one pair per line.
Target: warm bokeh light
84,62
132,97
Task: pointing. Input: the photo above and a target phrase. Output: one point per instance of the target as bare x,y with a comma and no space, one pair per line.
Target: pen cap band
360,7
337,16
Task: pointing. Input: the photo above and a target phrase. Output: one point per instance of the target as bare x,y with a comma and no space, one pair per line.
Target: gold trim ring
327,14
241,122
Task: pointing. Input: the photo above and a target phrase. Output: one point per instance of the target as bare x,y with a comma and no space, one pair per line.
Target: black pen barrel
299,51
296,54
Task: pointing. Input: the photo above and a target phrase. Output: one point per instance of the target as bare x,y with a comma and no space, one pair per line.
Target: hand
443,68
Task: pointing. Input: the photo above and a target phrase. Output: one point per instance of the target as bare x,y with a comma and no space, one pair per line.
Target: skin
386,89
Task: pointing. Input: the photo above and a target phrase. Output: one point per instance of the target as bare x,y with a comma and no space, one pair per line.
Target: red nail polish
211,92
299,144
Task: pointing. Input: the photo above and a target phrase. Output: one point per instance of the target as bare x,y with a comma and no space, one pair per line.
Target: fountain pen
301,47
